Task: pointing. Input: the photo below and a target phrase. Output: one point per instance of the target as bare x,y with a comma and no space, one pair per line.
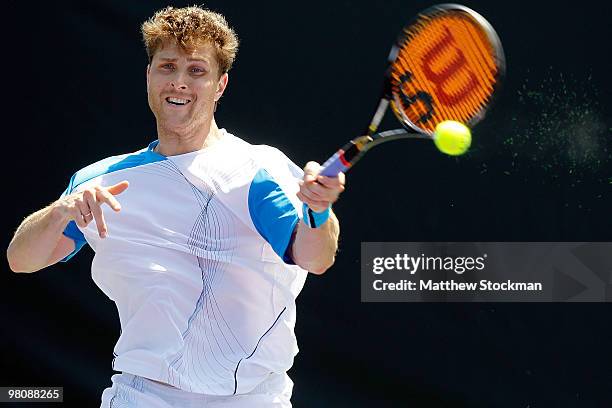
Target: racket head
447,64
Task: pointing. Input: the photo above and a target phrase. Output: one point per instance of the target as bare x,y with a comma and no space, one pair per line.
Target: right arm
39,241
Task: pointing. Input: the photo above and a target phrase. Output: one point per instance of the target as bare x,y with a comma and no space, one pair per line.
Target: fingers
318,192
98,196
321,188
118,188
81,214
311,170
333,182
314,190
85,206
315,205
90,198
103,195
307,190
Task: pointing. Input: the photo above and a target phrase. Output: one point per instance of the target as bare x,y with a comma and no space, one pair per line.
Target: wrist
315,219
58,213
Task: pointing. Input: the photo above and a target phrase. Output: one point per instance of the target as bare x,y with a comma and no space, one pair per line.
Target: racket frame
500,62
351,152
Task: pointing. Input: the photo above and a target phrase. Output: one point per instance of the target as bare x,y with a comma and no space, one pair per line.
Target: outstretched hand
85,206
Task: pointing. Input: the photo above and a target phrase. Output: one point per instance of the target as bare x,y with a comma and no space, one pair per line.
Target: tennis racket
447,64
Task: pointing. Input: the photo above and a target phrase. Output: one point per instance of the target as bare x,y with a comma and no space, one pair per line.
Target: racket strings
449,59
438,61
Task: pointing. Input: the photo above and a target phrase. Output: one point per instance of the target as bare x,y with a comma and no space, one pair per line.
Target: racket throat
355,149
380,113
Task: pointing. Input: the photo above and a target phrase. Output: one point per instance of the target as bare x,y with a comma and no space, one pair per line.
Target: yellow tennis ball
452,137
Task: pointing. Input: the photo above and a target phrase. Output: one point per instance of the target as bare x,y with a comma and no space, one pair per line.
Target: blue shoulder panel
105,166
272,213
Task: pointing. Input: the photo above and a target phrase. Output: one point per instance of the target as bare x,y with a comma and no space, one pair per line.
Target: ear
221,85
148,74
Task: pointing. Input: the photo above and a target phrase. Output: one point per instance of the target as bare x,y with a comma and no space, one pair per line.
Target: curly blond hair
191,27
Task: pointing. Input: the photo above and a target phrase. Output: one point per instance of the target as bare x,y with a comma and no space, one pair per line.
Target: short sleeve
105,166
72,231
272,212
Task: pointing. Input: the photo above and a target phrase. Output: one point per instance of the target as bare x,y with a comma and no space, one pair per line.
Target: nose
178,82
178,85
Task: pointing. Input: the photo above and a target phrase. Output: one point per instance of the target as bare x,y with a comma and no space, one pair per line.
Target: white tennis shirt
195,263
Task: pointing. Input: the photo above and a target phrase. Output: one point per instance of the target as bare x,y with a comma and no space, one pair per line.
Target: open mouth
177,101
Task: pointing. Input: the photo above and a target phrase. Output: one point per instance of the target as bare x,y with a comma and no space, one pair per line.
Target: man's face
183,87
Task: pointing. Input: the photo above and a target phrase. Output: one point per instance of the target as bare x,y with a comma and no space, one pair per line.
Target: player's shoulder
261,154
244,146
274,163
114,163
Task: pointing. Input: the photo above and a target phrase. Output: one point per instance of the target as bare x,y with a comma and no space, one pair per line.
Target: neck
172,143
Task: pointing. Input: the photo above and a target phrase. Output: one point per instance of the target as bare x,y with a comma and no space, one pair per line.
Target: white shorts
132,391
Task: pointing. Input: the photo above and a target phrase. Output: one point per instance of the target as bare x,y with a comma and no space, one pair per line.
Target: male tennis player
207,244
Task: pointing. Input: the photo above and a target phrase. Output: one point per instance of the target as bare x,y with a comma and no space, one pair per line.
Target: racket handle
335,164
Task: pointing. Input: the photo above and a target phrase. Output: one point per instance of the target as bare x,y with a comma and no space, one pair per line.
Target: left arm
314,248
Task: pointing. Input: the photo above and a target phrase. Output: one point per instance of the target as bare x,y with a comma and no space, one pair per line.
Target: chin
185,126
176,127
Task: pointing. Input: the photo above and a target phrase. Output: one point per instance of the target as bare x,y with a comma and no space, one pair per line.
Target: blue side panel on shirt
105,166
272,213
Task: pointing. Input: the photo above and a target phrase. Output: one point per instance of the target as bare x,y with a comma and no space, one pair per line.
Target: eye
198,70
168,66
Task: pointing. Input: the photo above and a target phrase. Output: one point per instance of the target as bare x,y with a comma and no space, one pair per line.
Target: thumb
118,188
311,170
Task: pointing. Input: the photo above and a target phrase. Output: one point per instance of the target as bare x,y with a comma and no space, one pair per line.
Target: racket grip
335,164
